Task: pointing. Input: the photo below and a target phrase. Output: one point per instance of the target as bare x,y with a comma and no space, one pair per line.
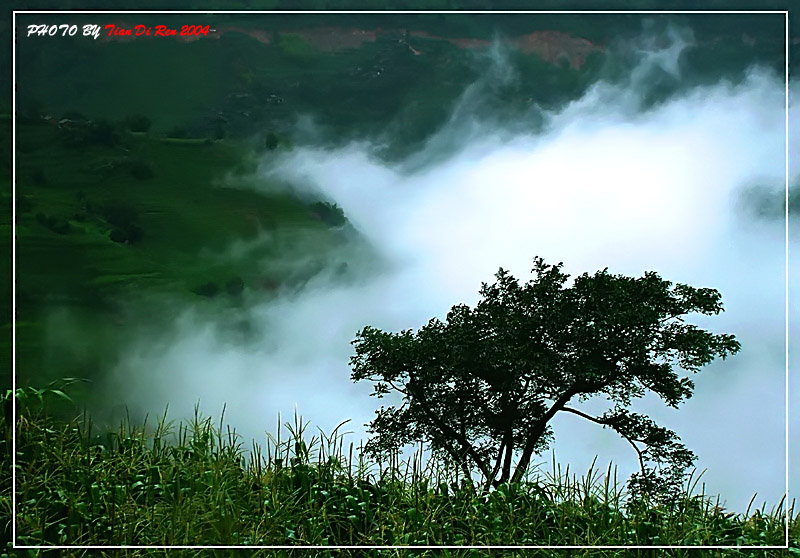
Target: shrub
208,290
137,123
118,235
329,213
102,133
119,215
79,134
124,222
271,142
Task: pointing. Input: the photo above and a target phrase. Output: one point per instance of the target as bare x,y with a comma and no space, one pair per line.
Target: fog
601,182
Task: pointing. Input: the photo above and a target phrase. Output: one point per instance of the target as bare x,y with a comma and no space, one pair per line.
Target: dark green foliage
271,142
208,290
329,213
102,132
137,123
118,235
82,133
483,386
178,212
124,221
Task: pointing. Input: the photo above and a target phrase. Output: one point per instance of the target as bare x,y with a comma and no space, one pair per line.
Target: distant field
358,74
264,71
70,201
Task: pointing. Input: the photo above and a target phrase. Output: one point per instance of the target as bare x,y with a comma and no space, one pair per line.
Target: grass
197,483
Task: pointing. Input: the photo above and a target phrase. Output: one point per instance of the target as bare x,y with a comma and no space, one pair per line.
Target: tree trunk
538,430
509,442
450,432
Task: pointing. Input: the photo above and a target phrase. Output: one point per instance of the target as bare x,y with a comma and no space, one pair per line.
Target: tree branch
537,432
509,454
404,392
671,316
497,464
607,423
451,432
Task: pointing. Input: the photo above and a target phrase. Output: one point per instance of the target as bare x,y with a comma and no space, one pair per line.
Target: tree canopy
483,386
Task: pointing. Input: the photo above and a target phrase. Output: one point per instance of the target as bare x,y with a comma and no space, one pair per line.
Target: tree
102,132
271,142
137,123
118,235
483,387
208,290
329,213
124,221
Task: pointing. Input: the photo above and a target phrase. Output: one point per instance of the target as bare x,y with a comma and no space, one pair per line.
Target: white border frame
353,547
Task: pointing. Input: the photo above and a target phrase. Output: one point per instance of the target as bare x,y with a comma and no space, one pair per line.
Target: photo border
410,547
